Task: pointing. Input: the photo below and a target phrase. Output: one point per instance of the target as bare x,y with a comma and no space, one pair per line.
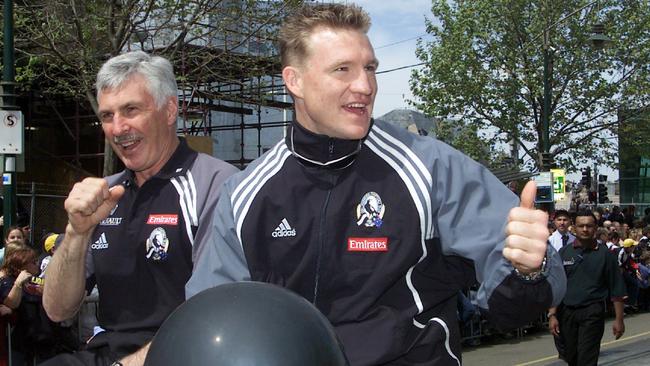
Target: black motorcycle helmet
246,324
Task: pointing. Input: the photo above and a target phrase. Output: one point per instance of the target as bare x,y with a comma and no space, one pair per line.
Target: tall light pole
8,103
548,74
598,40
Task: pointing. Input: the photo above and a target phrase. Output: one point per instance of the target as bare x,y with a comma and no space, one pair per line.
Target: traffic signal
602,193
586,178
592,197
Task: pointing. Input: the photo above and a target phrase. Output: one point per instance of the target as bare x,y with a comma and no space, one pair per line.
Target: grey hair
156,70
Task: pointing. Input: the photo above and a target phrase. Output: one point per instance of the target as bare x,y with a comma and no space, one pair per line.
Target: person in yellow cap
629,243
629,268
625,253
49,245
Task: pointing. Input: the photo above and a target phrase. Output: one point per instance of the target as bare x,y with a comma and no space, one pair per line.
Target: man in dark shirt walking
592,276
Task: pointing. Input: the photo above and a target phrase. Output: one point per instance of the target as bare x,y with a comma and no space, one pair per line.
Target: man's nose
364,83
120,124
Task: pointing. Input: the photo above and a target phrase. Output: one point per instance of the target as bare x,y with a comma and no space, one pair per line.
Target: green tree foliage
60,44
485,66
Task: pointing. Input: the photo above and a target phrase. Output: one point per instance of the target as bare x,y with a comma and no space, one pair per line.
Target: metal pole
8,70
546,116
546,143
8,103
9,193
594,185
32,214
9,348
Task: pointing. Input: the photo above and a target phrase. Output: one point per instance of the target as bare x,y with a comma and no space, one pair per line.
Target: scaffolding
225,59
243,110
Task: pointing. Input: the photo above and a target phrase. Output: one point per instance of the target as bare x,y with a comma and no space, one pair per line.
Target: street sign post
11,132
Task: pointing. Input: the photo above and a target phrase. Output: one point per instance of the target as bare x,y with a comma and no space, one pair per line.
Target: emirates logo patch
367,244
163,219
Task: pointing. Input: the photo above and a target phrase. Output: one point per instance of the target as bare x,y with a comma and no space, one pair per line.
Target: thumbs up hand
526,233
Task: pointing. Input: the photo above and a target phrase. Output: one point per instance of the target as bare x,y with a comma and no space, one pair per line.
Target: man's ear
171,107
293,80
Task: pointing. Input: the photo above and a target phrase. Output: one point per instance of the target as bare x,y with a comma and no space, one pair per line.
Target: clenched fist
526,233
89,202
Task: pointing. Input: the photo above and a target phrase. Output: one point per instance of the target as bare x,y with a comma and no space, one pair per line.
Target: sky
395,21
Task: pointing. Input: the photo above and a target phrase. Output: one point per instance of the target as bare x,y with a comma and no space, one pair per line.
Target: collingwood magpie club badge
157,244
370,211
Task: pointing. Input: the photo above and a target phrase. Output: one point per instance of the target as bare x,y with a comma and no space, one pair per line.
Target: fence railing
41,207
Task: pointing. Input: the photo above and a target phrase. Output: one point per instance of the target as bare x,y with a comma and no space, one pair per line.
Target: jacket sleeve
209,175
219,257
471,215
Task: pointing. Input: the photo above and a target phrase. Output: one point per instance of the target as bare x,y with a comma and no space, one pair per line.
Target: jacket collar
321,150
593,247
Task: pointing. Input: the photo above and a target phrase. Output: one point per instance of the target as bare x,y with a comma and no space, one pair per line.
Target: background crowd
625,232
626,237
35,338
27,335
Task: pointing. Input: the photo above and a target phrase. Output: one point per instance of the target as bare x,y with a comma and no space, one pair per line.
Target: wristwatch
533,276
549,315
117,363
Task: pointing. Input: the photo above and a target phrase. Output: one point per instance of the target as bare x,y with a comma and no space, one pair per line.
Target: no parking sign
11,132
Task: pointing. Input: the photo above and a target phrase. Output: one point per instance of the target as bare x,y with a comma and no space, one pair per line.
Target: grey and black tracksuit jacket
380,234
140,283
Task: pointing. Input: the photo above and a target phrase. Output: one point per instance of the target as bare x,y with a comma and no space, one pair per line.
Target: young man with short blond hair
377,227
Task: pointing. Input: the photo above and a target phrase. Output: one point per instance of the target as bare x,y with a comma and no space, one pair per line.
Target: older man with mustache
134,232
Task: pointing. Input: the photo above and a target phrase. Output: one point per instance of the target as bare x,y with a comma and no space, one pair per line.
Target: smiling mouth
356,108
127,142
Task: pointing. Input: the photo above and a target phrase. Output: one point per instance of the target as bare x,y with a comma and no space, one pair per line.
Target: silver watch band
533,276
